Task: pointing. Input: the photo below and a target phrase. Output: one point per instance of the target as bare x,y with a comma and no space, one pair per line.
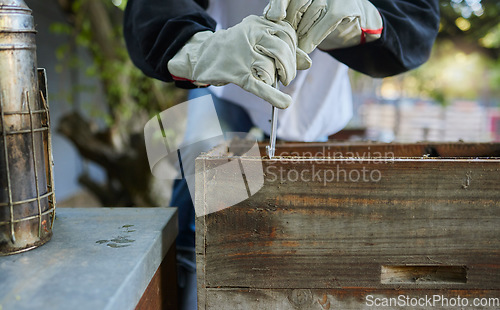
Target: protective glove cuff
362,25
181,66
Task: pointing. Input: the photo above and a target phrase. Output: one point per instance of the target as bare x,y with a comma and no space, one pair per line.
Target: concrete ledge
98,258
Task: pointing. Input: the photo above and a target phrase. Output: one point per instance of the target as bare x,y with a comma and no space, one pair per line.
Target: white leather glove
329,24
248,55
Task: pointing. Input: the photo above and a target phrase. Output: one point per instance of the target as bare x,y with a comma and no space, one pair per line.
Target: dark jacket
156,29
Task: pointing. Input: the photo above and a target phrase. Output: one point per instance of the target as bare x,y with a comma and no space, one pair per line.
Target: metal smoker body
26,183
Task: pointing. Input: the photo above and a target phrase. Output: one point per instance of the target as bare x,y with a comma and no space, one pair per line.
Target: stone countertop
98,258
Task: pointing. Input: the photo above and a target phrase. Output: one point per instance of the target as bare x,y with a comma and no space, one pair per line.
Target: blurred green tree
465,60
472,25
117,143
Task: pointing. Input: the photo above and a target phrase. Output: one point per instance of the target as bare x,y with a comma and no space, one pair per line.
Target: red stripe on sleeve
177,78
372,31
369,31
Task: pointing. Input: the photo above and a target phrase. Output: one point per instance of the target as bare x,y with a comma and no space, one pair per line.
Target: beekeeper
240,46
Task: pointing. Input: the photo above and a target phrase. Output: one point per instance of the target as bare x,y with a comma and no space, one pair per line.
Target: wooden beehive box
426,223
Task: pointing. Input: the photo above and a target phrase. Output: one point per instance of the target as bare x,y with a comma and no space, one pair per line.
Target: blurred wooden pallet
466,121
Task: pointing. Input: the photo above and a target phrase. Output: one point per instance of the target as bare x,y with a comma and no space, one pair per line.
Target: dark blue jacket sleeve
155,30
410,28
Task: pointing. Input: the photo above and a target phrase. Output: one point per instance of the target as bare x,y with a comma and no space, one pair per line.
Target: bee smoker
27,200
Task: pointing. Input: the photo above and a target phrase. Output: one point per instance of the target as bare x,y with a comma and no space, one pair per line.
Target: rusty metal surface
26,193
27,204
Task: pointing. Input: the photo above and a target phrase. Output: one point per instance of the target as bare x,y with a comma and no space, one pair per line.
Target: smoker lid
15,16
14,3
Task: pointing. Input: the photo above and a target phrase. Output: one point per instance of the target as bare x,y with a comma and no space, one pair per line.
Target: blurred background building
408,120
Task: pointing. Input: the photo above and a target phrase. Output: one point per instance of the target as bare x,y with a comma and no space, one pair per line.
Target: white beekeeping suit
322,101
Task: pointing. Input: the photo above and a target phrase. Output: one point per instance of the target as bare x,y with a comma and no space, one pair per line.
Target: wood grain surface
384,225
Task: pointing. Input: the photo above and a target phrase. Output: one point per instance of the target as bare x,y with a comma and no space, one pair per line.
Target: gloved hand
248,55
329,24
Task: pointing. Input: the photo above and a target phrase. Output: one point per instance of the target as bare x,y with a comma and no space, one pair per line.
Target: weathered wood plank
335,223
201,235
348,299
376,149
311,234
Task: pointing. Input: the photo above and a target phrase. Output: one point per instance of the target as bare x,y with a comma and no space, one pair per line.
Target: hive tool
271,148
